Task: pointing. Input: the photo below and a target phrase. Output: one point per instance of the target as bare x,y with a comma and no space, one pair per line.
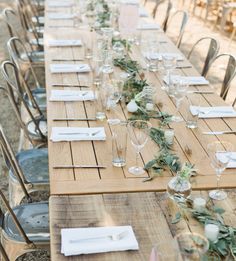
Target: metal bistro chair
34,49
28,172
227,61
177,26
24,228
34,128
25,64
212,51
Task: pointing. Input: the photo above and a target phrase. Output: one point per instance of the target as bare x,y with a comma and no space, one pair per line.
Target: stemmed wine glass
180,92
138,132
220,154
169,63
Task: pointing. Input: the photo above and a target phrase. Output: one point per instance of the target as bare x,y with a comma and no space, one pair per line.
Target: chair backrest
177,23
229,65
14,92
212,51
11,163
20,57
154,11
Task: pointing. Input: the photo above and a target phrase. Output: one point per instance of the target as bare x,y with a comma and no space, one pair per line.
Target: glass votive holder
199,203
169,135
211,231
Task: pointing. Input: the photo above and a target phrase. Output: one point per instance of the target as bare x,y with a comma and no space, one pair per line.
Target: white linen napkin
192,80
77,134
148,26
232,162
99,245
159,56
55,43
60,16
143,12
60,4
213,112
69,68
69,95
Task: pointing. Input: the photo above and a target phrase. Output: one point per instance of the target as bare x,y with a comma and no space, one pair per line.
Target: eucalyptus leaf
177,218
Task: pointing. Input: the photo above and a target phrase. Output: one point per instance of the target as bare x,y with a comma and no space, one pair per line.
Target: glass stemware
139,133
180,92
169,63
220,154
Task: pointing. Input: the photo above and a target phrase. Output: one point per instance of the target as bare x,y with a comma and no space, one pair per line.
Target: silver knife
67,60
202,92
69,85
79,167
183,66
218,132
74,119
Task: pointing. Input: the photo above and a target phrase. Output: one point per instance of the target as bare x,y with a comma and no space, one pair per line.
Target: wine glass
180,91
138,132
220,154
169,63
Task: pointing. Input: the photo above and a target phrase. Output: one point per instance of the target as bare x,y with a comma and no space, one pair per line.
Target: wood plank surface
111,179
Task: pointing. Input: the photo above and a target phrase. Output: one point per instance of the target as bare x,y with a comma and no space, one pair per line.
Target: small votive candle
199,203
149,106
169,135
212,232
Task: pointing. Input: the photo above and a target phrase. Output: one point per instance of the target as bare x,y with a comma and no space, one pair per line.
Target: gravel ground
196,29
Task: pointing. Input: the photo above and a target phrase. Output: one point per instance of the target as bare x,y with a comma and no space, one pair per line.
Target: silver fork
112,237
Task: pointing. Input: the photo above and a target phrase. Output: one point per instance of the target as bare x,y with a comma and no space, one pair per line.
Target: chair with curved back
177,23
24,228
212,51
28,172
229,74
34,126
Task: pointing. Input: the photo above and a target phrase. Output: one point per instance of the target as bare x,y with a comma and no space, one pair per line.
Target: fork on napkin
69,95
213,112
63,43
60,16
159,56
77,134
191,80
69,68
77,241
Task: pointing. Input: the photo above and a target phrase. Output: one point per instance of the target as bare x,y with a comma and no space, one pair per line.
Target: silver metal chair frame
182,25
213,50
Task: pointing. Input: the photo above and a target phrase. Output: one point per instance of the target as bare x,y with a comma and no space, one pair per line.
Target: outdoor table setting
127,112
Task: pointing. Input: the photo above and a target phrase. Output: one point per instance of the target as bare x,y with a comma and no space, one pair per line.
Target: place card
70,95
60,4
60,16
191,80
148,26
69,68
62,43
213,112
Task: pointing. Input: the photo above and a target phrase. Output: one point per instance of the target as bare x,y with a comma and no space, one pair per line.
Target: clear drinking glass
153,56
192,117
139,133
220,155
179,94
169,63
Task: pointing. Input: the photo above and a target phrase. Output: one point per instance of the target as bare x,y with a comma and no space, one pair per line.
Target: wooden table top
112,179
150,214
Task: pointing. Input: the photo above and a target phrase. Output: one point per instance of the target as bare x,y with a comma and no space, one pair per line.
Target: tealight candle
212,232
199,203
169,135
149,106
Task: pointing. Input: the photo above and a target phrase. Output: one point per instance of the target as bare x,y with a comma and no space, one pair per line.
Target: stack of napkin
69,95
191,80
231,156
62,43
69,68
77,241
77,134
213,112
59,16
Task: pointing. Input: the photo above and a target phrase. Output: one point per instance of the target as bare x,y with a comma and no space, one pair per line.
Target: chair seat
39,19
40,97
34,164
34,41
34,218
34,132
39,30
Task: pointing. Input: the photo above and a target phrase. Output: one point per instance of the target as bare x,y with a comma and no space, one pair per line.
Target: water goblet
139,133
169,63
180,92
220,155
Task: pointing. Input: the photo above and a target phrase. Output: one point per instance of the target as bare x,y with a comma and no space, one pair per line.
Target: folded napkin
130,2
68,95
143,12
60,4
55,43
224,156
192,80
69,68
159,56
103,243
59,16
76,134
213,112
148,26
